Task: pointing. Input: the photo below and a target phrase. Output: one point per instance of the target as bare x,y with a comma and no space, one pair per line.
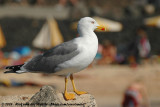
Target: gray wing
48,61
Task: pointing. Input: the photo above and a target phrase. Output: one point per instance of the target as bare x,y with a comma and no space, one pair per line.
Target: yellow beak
101,28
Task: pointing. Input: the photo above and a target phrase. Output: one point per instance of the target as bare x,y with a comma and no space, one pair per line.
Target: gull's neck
88,36
85,32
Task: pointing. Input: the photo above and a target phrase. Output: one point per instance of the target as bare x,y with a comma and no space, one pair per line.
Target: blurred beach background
128,50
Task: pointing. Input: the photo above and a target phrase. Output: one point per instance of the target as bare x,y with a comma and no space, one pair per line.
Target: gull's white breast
87,46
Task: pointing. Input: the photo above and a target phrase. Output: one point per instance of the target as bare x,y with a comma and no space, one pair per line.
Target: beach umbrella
153,21
2,39
110,25
49,36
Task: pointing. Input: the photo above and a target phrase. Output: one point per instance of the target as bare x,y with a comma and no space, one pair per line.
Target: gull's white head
89,23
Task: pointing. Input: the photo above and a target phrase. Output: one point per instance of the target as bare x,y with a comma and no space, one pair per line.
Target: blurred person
61,10
78,9
109,53
139,48
144,44
136,95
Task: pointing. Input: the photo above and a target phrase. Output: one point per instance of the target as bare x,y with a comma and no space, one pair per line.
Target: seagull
67,58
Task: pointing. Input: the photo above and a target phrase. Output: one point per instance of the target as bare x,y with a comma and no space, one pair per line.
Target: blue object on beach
24,50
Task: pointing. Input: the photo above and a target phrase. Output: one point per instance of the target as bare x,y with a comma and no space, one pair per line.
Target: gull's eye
92,22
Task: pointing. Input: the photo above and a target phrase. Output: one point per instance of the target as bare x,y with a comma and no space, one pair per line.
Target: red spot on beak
103,28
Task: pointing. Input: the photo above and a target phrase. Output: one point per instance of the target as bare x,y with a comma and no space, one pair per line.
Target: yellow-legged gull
67,58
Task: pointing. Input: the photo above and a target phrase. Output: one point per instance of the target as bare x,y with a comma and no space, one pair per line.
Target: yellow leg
74,88
68,96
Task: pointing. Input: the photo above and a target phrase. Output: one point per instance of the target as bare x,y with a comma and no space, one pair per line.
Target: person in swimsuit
135,95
